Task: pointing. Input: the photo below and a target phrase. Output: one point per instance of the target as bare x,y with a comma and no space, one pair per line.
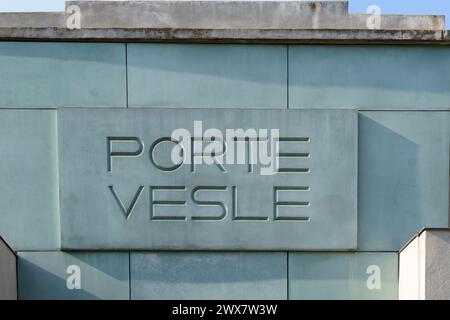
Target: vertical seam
129,275
287,274
126,73
287,75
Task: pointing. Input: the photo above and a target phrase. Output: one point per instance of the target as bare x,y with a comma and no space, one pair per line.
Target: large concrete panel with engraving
369,77
207,76
122,186
29,215
8,272
403,181
201,275
78,276
356,275
53,75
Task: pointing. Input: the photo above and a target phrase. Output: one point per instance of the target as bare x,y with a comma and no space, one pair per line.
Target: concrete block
32,19
396,22
403,182
369,77
8,274
52,75
272,15
199,275
29,219
73,276
343,276
425,266
212,14
121,190
183,75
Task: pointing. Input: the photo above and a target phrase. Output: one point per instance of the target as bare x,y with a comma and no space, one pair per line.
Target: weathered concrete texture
29,215
269,36
52,75
213,14
437,265
425,266
8,275
369,77
199,275
292,209
395,22
403,182
343,276
240,15
32,20
175,75
221,21
73,276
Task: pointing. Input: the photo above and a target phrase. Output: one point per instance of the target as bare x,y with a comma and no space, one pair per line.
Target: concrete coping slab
220,21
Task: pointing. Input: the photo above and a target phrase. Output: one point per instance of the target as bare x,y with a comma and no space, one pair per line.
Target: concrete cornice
227,36
221,22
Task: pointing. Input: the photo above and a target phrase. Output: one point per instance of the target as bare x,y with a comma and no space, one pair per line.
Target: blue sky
387,6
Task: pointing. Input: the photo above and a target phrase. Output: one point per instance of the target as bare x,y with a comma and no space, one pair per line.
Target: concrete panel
8,274
425,266
29,215
77,276
336,276
120,189
207,76
369,77
437,265
52,75
229,276
403,176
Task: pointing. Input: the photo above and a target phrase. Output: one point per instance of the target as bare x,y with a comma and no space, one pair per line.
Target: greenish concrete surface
201,275
29,188
343,276
123,199
176,75
73,276
52,75
369,77
403,182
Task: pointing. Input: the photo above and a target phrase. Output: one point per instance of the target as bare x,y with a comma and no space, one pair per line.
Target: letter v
127,211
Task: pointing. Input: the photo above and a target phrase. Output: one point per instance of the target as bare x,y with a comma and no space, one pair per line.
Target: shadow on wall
389,197
44,275
36,283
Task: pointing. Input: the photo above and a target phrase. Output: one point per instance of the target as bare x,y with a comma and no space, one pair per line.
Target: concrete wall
8,273
402,157
425,266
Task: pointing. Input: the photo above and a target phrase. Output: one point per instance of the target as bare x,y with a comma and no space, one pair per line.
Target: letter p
111,153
